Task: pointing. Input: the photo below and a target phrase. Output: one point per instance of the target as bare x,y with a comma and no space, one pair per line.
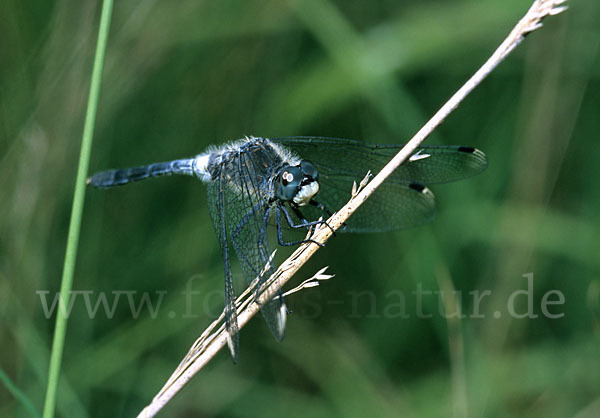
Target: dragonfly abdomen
119,177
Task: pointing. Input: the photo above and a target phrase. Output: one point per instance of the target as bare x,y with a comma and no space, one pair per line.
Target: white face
306,193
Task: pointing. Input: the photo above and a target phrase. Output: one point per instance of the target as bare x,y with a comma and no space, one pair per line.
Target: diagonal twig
206,347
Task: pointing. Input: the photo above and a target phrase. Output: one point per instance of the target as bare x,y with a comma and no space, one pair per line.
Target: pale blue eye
288,183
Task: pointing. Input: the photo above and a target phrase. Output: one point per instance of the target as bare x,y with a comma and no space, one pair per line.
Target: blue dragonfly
295,182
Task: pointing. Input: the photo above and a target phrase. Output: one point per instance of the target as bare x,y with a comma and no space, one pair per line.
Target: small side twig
206,347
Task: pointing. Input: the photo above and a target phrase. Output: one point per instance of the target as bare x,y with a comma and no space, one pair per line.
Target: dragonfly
293,183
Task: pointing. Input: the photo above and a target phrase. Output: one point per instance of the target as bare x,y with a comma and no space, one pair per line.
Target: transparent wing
435,164
392,206
241,220
248,227
217,205
401,201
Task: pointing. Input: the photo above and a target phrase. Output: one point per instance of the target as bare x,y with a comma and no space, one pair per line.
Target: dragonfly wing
392,206
429,165
217,204
401,201
435,164
241,220
249,230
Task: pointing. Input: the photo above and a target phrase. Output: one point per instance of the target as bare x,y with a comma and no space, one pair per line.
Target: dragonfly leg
290,222
305,223
322,207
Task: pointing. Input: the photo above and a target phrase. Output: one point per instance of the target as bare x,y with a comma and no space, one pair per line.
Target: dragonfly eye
309,170
288,183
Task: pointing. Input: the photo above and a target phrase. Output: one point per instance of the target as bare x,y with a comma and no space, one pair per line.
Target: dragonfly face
297,184
250,180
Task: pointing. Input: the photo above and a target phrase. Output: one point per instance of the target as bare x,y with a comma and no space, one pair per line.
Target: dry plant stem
208,346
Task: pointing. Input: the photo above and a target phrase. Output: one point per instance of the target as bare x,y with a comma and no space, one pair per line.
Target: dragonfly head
297,183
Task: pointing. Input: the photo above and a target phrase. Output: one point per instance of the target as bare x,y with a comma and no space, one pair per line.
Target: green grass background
180,76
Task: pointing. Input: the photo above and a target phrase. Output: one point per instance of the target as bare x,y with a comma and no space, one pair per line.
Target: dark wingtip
423,190
468,150
478,156
418,187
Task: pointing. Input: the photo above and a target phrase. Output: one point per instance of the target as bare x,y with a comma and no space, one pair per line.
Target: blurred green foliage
182,75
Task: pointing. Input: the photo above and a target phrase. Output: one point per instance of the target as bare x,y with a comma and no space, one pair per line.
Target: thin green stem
18,394
76,213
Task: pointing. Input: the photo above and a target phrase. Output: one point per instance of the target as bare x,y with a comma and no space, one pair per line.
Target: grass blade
76,212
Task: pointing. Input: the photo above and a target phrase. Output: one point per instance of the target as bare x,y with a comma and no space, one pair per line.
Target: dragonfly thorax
297,184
